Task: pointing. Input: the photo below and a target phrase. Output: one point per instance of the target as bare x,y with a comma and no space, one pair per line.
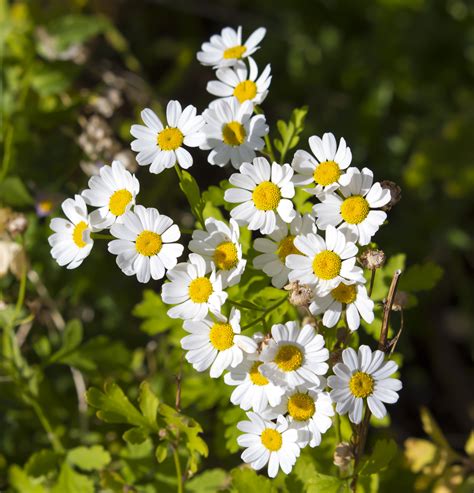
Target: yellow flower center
148,243
345,293
221,336
271,439
78,234
170,139
289,358
200,289
326,265
255,376
233,133
266,196
326,173
235,52
226,256
245,90
118,201
286,247
361,384
355,209
301,406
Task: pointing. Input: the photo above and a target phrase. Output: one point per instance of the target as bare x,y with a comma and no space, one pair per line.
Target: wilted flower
372,259
395,193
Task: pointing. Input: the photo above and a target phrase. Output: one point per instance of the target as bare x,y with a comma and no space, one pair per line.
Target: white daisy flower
310,410
194,293
277,444
146,244
264,191
294,356
226,49
216,344
162,146
353,297
355,214
71,242
243,84
219,245
279,245
324,263
323,170
232,132
363,376
253,390
113,191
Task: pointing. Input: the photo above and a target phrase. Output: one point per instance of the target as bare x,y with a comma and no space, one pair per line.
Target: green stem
245,307
179,474
265,313
100,236
55,442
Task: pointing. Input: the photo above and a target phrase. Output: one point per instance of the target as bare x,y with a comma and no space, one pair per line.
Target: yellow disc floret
200,289
326,265
118,202
245,90
271,439
355,209
266,196
233,133
255,376
301,406
326,173
361,384
286,247
226,256
235,52
289,358
78,234
221,336
148,243
170,139
345,293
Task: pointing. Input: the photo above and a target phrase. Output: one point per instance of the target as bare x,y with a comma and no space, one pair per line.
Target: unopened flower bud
400,301
372,259
300,294
395,193
343,455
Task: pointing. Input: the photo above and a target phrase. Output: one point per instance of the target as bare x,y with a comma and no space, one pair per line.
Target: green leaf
161,452
383,276
322,483
148,403
208,482
113,406
432,429
135,436
421,277
153,310
72,337
13,192
247,480
190,188
21,483
53,78
41,463
382,454
111,480
92,458
289,132
469,447
70,481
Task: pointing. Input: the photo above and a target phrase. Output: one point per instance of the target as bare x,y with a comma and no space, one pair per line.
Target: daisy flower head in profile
219,244
217,343
252,389
276,444
278,245
241,83
294,356
71,241
226,49
161,146
113,191
310,410
354,213
232,132
146,243
352,297
194,292
324,263
363,376
264,193
323,171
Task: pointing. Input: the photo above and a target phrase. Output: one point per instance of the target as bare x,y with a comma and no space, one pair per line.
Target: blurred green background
394,77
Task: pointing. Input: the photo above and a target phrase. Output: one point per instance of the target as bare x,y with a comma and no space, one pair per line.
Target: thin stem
179,474
372,279
100,236
245,307
387,308
55,442
265,313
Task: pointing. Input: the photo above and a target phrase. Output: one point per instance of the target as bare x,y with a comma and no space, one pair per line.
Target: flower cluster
280,377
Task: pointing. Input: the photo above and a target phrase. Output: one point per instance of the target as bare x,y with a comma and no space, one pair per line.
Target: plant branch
179,474
265,313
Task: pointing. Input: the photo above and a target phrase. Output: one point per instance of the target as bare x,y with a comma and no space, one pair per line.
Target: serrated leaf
70,481
419,453
380,457
148,403
92,458
322,483
41,463
421,277
71,339
248,481
154,311
135,436
208,482
21,483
